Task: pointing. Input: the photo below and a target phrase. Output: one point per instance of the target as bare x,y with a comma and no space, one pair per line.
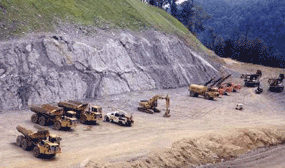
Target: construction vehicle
276,85
49,114
207,83
207,92
234,87
149,106
223,89
84,112
42,142
252,80
258,90
239,106
119,117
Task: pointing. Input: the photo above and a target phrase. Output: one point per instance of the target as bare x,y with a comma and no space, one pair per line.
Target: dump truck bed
73,105
46,109
31,134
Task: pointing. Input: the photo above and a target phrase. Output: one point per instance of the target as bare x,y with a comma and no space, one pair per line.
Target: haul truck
42,142
84,112
53,115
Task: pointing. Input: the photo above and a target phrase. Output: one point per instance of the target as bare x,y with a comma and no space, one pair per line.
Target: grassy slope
26,16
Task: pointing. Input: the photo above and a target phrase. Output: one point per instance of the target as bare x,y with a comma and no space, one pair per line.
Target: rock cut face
54,68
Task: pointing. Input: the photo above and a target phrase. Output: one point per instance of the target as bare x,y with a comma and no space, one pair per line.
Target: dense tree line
250,31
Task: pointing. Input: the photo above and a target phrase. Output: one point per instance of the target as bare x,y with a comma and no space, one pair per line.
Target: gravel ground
190,117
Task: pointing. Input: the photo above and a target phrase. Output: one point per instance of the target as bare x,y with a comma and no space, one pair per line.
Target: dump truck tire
192,93
107,119
35,118
82,119
19,140
36,152
25,144
52,155
42,120
207,96
57,125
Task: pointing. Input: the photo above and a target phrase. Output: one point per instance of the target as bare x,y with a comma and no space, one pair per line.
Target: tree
193,16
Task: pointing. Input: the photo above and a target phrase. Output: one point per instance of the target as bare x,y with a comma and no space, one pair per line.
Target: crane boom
209,81
222,80
216,81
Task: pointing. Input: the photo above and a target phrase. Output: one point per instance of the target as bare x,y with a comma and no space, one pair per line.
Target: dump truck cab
54,138
93,113
96,109
46,147
84,112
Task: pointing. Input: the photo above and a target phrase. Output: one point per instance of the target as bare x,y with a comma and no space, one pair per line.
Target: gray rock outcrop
51,68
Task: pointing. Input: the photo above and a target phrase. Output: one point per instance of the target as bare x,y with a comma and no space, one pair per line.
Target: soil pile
211,148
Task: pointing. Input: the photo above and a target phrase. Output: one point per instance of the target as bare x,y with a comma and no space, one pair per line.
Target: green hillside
19,17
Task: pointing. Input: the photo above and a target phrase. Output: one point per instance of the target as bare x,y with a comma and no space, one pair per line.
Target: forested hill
249,31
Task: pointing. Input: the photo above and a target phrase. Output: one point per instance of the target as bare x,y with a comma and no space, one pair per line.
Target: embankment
210,148
49,68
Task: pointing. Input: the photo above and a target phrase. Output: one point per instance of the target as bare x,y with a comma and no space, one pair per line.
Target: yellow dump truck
207,92
41,142
84,112
53,115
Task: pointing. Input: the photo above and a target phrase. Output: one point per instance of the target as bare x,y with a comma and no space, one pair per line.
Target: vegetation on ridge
19,17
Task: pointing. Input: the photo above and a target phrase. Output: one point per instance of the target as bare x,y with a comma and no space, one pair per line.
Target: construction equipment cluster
68,114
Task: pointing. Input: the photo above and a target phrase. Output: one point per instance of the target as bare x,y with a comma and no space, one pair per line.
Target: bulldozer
276,85
41,142
84,112
149,106
54,115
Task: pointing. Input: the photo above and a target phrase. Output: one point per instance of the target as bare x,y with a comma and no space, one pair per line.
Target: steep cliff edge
50,68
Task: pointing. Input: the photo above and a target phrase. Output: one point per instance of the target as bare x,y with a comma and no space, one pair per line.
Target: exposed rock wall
50,68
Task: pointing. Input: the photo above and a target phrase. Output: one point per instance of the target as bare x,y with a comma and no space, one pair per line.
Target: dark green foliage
259,21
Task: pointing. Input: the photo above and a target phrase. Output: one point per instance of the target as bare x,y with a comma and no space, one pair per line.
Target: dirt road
107,142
